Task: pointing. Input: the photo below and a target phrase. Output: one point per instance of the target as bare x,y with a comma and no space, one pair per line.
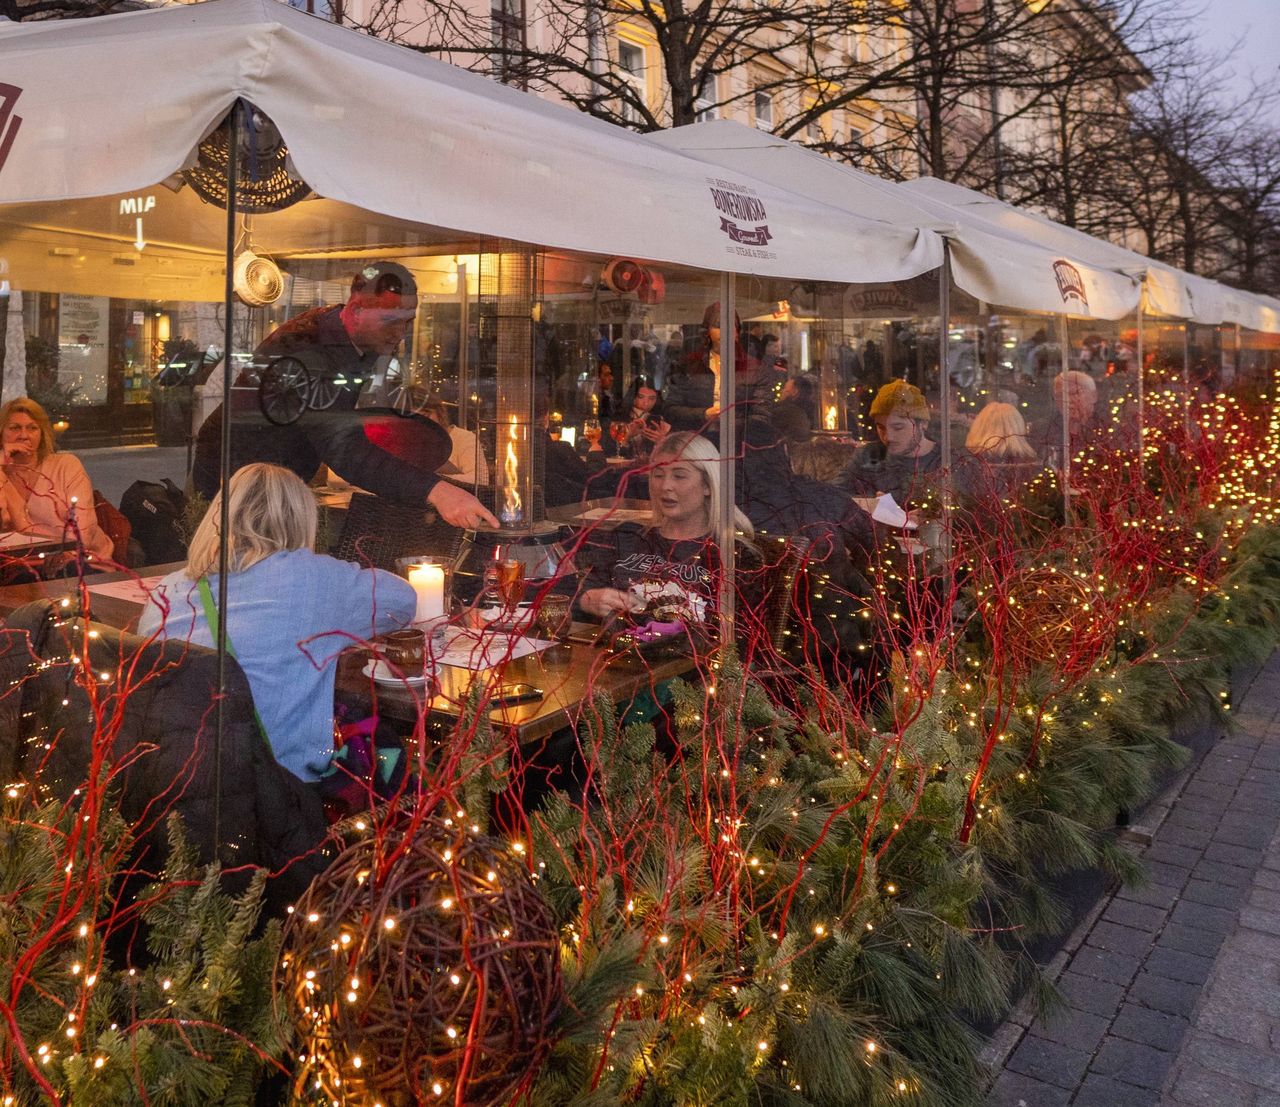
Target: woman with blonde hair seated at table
44,493
1000,458
290,611
674,559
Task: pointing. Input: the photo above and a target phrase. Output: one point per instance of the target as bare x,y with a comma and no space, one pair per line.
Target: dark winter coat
159,707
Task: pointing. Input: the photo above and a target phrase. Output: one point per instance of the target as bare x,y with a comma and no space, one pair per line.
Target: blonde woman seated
41,488
290,611
1000,458
668,569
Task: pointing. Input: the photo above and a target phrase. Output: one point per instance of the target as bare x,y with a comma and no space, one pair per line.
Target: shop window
508,27
631,61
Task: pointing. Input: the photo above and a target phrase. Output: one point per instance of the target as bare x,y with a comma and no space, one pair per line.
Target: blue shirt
289,616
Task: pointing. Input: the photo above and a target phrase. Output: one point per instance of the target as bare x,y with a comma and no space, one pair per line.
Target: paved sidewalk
1174,994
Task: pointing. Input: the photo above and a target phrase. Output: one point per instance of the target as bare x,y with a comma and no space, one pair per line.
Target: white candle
427,582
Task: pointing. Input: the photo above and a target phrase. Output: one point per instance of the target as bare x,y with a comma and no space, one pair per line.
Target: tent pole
728,451
1064,336
1142,413
1186,376
464,353
944,413
224,514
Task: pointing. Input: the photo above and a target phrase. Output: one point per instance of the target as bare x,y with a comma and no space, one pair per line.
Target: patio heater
506,380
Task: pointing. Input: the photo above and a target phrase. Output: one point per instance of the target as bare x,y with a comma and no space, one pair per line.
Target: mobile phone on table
504,695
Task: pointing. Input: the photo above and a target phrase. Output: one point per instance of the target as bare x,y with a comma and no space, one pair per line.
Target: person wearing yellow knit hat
904,451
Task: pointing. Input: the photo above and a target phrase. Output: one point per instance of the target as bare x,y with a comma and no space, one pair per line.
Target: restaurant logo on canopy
9,123
1070,283
738,205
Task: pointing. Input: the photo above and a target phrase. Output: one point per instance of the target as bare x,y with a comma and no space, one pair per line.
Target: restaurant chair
783,558
156,706
376,531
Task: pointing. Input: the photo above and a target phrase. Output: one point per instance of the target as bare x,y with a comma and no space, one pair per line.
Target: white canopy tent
372,124
995,264
1167,291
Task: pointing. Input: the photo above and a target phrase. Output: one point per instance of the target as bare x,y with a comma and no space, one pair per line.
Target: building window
813,132
323,8
857,145
508,40
704,107
764,111
631,61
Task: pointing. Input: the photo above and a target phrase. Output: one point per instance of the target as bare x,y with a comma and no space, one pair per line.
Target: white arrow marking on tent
138,242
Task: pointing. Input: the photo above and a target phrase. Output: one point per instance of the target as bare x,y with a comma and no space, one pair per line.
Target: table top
567,676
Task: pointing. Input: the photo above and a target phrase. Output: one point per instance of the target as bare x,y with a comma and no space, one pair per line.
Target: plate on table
381,673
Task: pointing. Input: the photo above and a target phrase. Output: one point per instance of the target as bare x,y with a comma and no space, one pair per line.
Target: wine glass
591,430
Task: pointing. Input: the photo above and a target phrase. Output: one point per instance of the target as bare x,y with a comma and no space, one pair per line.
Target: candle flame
512,505
831,418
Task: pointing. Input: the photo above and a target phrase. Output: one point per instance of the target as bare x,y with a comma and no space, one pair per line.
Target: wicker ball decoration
421,967
1053,617
263,181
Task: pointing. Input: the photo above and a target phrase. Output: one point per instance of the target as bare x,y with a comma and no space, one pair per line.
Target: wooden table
567,676
113,611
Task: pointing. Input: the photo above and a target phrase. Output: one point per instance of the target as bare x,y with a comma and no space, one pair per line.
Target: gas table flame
512,512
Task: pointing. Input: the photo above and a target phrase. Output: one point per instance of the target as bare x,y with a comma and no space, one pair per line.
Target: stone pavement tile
1248,856
1157,872
1132,1062
1140,916
1219,920
1256,835
1267,878
1157,895
1190,968
1257,774
1012,1089
1228,772
1192,816
1235,875
1247,801
1178,834
1235,1022
1169,854
1265,899
1174,997
1087,994
1049,1061
1258,1068
1213,893
1196,1086
1141,1024
1077,1029
1189,939
1121,939
1105,964
1103,1091
1206,793
1257,919
1256,945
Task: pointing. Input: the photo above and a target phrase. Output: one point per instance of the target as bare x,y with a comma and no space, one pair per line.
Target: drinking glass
511,581
553,617
591,429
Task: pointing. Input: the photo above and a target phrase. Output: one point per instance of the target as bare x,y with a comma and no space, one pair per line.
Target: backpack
154,510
